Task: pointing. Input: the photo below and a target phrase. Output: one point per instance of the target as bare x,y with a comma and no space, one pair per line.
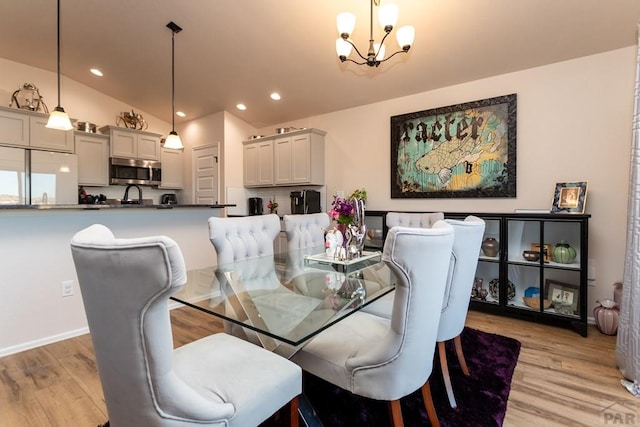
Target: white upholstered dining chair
305,231
219,380
463,265
242,238
389,358
466,249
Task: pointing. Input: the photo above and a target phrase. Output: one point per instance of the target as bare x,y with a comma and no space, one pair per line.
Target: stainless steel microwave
134,171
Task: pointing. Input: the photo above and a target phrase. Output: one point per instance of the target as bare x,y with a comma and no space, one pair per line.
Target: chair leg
428,404
444,366
292,406
460,354
395,413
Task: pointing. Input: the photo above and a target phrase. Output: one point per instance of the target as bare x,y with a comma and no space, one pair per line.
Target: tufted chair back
415,220
217,381
466,249
389,358
237,239
305,231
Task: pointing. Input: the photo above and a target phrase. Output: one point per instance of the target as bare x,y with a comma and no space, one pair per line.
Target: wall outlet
67,288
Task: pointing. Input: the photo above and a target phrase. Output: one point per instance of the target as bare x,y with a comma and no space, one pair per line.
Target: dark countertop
104,207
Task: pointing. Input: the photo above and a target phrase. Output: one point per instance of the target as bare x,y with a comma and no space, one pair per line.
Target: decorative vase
563,253
342,228
607,316
490,246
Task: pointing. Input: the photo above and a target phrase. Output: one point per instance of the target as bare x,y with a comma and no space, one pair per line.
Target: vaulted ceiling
233,51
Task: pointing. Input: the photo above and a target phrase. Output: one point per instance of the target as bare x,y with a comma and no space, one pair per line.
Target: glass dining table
281,301
286,299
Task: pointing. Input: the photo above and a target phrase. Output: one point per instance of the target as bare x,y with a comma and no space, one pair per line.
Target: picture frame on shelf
565,297
569,197
546,251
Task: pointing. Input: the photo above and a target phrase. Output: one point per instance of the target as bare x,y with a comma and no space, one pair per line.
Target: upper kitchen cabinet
133,144
258,163
294,158
172,168
22,128
93,159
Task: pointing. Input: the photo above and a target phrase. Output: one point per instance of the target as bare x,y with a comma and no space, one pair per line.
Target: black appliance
305,202
134,171
168,199
255,206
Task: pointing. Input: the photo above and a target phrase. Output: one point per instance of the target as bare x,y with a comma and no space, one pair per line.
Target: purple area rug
481,397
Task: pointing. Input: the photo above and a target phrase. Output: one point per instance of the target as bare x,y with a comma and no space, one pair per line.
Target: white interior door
205,174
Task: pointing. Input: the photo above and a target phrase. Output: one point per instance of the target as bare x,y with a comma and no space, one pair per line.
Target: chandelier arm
382,43
394,54
355,62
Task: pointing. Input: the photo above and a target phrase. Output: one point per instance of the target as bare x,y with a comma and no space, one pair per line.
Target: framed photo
569,197
463,150
546,252
564,296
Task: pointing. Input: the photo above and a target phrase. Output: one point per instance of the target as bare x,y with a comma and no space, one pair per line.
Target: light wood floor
561,379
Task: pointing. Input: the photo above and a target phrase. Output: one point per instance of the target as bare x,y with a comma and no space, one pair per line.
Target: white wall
36,259
78,100
574,124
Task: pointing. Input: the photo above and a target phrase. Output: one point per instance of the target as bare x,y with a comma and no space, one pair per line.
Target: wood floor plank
561,378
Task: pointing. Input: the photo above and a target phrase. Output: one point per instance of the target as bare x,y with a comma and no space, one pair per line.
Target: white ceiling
234,51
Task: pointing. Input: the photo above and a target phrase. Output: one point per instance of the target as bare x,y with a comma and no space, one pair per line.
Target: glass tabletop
287,297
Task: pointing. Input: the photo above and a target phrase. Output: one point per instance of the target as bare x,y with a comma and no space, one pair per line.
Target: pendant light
58,119
173,140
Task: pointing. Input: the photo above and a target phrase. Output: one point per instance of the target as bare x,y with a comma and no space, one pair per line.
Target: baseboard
43,341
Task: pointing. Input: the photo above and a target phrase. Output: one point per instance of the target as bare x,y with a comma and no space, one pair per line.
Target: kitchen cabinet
258,163
294,158
172,168
28,129
93,158
133,144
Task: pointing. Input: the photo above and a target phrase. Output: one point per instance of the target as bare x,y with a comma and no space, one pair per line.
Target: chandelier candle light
387,16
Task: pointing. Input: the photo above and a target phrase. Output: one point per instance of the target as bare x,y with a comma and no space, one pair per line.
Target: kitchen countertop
103,207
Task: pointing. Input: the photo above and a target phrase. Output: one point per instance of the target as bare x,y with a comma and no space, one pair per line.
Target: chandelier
387,16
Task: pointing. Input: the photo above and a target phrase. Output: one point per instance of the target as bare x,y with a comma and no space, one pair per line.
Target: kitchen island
36,261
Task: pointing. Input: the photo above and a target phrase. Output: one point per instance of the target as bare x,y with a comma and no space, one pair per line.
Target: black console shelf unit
555,292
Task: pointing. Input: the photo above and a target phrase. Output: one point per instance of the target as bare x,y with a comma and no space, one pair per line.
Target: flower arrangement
343,209
272,206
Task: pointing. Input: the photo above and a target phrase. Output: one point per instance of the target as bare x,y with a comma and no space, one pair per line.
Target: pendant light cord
173,81
58,53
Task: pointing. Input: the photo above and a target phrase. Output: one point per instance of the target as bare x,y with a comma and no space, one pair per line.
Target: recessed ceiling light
96,72
180,114
275,96
241,107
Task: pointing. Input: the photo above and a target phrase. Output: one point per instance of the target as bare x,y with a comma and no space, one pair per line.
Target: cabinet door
148,147
41,136
123,144
172,168
14,128
265,163
93,159
300,159
282,161
250,163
